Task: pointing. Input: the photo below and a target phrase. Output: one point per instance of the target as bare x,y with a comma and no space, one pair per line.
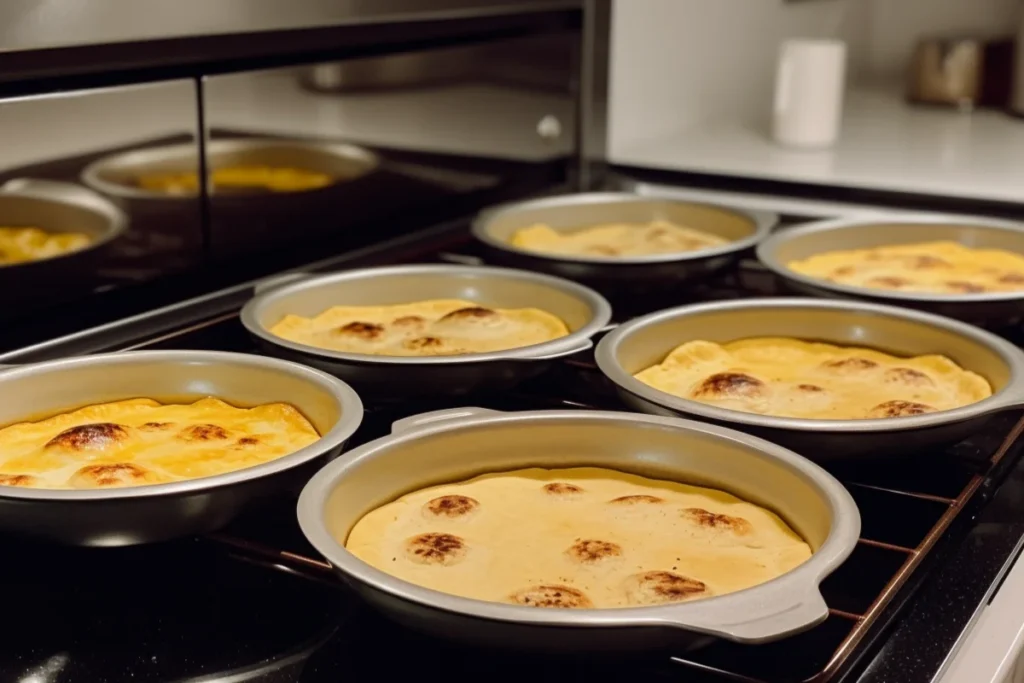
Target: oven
448,112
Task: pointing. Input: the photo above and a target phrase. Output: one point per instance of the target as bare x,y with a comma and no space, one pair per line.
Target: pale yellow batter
576,538
440,327
142,441
928,267
794,378
616,239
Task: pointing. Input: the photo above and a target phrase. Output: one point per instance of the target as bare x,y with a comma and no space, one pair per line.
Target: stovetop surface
254,602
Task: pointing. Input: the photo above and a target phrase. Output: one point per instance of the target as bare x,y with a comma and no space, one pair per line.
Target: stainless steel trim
782,205
772,610
592,105
32,25
991,645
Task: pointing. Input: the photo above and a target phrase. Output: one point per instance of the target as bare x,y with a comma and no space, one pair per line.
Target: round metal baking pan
452,445
117,175
495,227
140,514
391,377
808,240
57,207
646,341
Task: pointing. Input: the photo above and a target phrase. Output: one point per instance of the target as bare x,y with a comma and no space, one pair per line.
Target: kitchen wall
676,63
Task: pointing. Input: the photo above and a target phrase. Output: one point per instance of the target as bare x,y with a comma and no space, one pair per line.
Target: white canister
809,92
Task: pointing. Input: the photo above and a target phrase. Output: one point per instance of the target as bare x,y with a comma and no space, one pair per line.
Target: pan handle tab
582,345
423,420
766,621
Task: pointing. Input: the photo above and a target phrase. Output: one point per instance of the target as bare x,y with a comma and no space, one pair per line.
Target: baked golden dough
794,378
141,441
578,537
236,178
927,267
18,245
440,327
615,239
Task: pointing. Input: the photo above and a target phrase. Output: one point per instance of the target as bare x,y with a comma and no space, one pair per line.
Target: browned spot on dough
424,343
925,262
730,384
451,506
843,271
89,437
1012,279
634,500
712,520
248,441
908,377
203,432
589,551
850,365
362,330
118,474
17,480
435,548
889,282
656,587
471,313
965,287
900,409
554,595
155,426
559,488
810,388
409,321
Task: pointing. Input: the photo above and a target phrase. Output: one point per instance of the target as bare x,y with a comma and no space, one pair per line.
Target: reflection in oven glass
291,162
64,237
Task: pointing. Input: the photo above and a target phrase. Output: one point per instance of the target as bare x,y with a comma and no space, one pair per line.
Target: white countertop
885,144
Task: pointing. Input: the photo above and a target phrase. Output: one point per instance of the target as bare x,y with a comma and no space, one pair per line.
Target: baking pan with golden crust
991,308
380,377
139,514
452,445
647,340
495,227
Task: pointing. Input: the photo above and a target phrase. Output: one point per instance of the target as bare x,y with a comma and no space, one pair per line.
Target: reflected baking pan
242,219
992,308
495,227
56,207
141,514
384,378
647,340
453,445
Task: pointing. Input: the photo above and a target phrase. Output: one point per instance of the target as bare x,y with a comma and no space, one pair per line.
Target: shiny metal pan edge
992,308
436,447
645,341
139,514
